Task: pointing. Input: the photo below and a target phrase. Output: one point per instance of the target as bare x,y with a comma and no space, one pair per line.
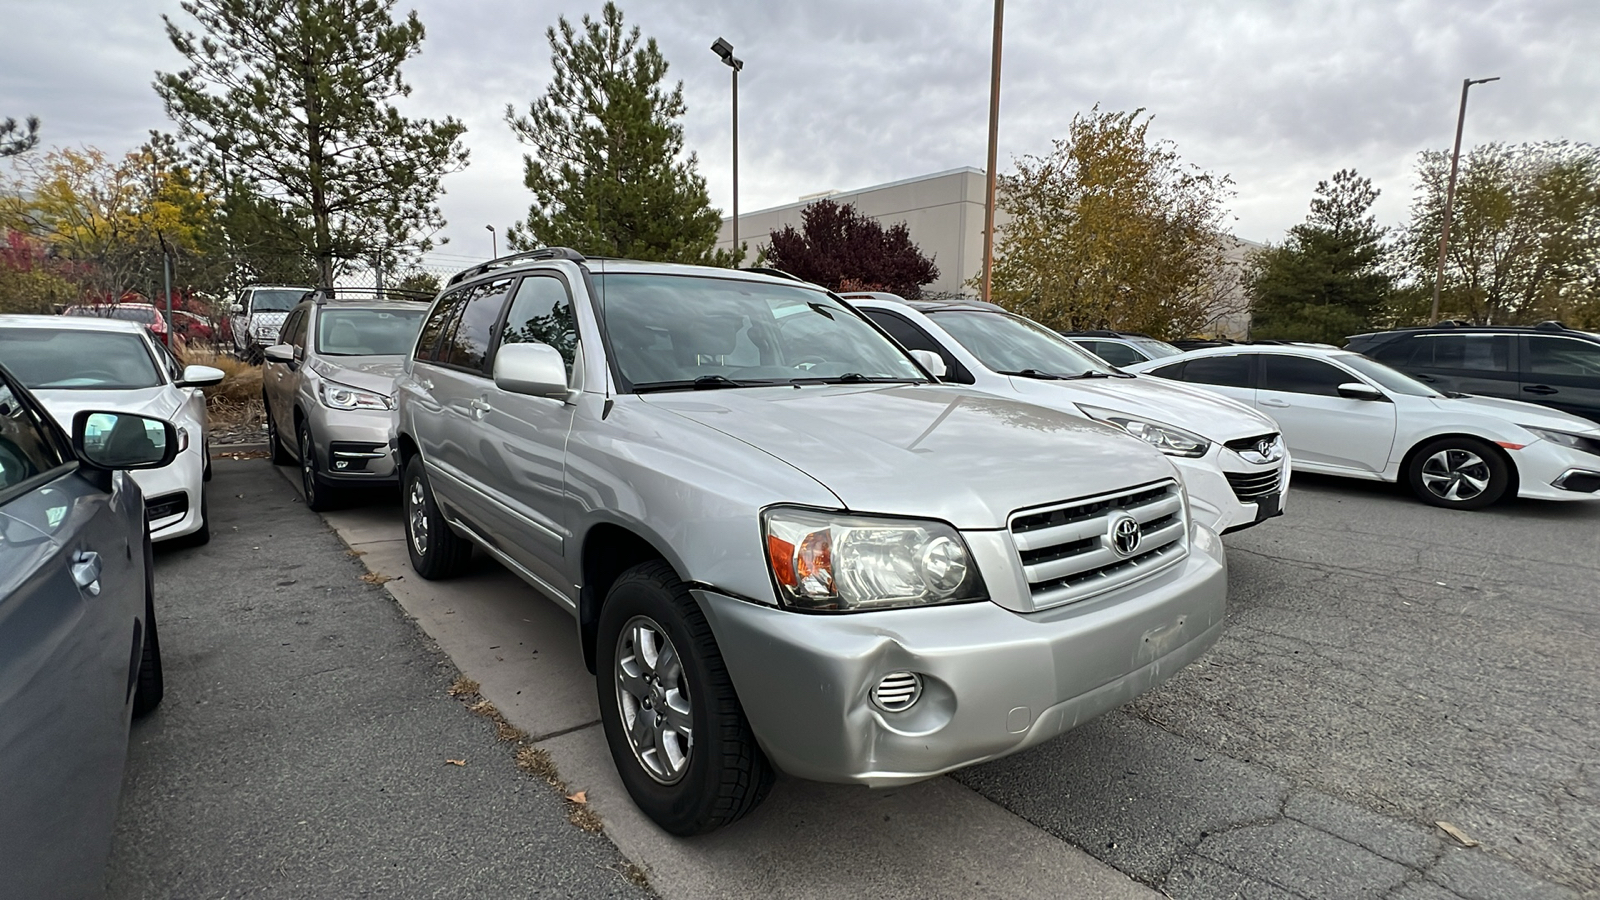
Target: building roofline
801,204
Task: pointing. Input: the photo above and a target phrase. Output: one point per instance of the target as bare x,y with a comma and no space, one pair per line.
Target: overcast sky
841,94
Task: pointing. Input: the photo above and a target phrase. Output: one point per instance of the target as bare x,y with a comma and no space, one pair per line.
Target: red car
143,313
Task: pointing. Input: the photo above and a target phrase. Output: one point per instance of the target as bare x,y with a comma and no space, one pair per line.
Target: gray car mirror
283,353
533,369
931,361
120,440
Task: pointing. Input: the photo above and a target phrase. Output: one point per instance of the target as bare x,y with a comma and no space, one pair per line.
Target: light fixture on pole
1450,192
494,242
994,143
725,50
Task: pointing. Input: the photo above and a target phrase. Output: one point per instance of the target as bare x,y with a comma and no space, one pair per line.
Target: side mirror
119,440
201,376
931,361
236,309
282,353
533,369
1355,390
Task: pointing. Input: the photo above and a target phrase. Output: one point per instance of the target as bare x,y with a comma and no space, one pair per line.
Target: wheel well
406,448
608,551
1511,465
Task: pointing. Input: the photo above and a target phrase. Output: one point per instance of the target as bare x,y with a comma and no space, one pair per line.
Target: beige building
944,212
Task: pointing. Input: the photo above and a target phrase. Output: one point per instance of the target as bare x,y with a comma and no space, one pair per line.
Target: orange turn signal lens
781,553
1510,446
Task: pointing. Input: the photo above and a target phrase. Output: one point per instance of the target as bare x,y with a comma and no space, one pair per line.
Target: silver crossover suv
326,387
784,543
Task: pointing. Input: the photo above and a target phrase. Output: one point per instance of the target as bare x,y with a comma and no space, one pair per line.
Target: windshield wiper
854,378
1035,373
703,383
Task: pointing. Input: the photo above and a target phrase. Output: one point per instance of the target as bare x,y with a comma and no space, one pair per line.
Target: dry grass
585,818
240,385
508,732
635,875
463,687
486,709
536,761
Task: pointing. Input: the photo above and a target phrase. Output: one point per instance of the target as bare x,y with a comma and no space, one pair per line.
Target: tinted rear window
1224,371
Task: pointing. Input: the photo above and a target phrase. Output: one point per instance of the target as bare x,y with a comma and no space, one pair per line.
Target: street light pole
1450,191
994,143
725,50
494,242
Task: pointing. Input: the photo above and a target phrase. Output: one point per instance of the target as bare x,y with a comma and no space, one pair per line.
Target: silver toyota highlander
785,544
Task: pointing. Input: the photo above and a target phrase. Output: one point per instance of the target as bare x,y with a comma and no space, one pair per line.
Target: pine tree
298,93
1330,278
607,173
841,249
15,139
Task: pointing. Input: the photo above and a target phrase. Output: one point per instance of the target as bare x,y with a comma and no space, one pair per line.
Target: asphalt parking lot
1387,666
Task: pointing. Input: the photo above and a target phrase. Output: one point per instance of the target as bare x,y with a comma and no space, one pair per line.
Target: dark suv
1547,364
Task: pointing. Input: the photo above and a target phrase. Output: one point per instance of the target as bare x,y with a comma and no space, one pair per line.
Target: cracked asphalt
1387,665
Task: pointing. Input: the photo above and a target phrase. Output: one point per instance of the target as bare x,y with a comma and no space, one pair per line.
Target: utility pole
1450,192
725,50
994,144
166,286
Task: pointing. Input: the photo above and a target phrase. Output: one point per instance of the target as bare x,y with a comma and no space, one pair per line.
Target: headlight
338,396
832,562
1169,439
1566,439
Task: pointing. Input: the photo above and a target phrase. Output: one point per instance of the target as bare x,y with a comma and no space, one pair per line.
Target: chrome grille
1252,486
1066,549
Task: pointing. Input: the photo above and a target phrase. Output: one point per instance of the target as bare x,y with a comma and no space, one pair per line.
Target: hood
157,402
1211,416
262,320
369,373
932,451
1519,413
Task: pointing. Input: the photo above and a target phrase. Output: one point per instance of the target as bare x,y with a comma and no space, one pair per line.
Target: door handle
1540,389
1275,403
479,407
86,571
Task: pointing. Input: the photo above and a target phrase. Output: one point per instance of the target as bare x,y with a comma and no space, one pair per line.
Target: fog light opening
897,691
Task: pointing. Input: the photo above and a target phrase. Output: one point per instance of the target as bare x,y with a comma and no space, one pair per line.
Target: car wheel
319,495
1458,473
150,687
203,536
280,453
435,550
677,733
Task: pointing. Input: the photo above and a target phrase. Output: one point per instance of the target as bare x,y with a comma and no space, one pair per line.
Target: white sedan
72,364
1345,414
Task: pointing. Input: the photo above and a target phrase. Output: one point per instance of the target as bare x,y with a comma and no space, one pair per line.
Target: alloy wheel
417,517
1456,474
653,698
308,465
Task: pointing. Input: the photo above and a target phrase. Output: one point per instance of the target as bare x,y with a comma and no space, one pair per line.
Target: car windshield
368,332
1153,348
69,359
680,332
1012,344
1387,378
275,301
124,313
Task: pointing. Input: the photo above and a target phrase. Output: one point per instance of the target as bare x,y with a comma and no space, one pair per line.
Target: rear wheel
435,550
280,453
677,733
1458,473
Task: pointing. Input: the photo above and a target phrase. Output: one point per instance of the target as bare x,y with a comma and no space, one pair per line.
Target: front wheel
1458,473
677,733
150,686
435,550
319,494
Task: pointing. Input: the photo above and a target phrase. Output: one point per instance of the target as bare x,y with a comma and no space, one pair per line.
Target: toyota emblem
1124,534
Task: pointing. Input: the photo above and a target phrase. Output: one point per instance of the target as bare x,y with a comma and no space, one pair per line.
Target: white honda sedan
1345,414
73,364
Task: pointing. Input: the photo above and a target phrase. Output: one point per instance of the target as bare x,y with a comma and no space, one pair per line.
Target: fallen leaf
353,552
1457,833
456,762
375,578
579,797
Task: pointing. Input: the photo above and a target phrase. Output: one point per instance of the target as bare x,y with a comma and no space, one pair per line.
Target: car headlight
338,396
1567,439
1169,439
834,562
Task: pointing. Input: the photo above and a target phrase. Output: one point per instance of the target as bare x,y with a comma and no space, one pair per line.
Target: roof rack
1453,323
325,294
1551,325
776,273
501,262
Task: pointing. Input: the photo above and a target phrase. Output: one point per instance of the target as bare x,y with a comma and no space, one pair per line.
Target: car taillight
158,327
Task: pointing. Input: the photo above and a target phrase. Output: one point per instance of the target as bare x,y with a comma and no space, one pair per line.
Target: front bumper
1213,501
352,446
1547,471
179,484
994,681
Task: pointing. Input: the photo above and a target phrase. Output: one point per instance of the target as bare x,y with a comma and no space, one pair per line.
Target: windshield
1007,343
275,301
48,359
124,313
1153,348
1387,378
368,332
672,332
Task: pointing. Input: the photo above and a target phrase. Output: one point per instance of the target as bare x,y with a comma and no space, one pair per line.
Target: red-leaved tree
841,249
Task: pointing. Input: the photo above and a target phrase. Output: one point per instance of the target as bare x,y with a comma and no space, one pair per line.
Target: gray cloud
840,94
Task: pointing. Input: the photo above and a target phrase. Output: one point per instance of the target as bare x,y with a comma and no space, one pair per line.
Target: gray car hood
159,402
941,452
369,373
1209,415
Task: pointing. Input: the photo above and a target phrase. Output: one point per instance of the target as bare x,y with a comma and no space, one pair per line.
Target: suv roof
1452,327
925,305
516,262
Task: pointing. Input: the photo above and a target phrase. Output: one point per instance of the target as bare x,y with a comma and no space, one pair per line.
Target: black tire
150,687
726,775
1458,473
436,552
201,537
319,494
280,454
